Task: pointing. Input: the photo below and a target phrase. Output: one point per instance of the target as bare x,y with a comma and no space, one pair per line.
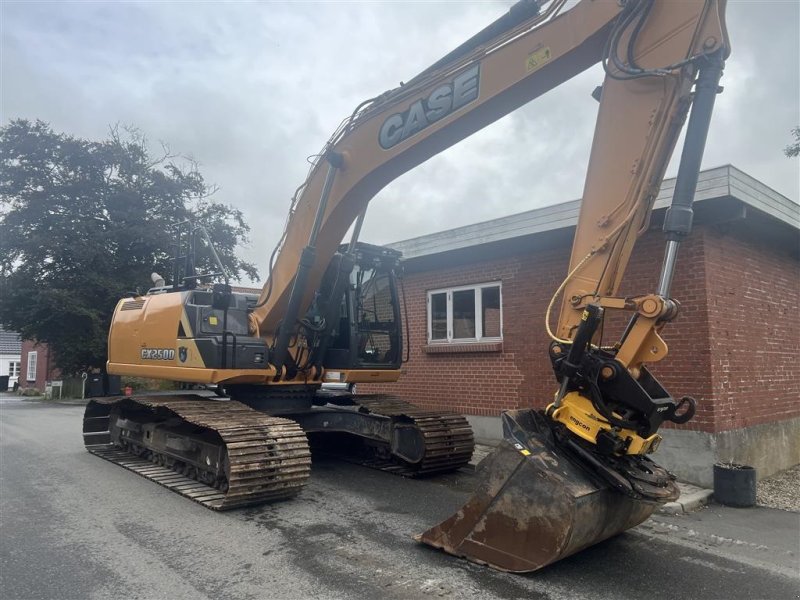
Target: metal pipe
679,216
678,220
356,231
591,319
207,238
562,391
307,258
668,268
518,13
323,203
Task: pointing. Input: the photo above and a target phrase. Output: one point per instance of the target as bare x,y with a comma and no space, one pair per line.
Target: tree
794,148
83,222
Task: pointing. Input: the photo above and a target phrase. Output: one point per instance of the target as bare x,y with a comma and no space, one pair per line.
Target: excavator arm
531,50
577,473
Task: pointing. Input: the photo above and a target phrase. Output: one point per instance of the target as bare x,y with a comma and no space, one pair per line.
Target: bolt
649,306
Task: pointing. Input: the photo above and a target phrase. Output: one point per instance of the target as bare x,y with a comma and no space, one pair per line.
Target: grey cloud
251,89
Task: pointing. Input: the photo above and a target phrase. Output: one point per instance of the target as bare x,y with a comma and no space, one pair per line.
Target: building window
32,365
465,314
13,369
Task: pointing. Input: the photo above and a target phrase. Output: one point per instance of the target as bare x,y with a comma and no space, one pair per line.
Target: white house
10,353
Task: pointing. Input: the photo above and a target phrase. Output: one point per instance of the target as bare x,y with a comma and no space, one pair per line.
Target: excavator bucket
535,503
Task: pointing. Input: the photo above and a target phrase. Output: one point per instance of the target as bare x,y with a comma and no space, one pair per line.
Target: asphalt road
75,526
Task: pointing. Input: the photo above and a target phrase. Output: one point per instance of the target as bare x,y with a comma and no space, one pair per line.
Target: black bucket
734,485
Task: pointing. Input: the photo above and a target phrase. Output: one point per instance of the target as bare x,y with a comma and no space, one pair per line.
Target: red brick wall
482,383
44,366
730,385
754,288
686,369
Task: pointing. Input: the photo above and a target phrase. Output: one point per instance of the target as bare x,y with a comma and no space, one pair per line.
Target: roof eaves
762,197
718,182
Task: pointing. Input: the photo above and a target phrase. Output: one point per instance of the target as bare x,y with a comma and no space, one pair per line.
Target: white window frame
14,368
32,364
478,314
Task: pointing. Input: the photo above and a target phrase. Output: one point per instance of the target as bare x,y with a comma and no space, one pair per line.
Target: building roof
720,182
10,342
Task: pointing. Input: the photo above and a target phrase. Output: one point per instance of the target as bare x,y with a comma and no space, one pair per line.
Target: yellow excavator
564,477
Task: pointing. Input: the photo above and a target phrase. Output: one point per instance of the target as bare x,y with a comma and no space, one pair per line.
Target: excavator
564,477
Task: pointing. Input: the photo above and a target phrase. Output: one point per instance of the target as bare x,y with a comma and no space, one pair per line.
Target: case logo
183,353
442,101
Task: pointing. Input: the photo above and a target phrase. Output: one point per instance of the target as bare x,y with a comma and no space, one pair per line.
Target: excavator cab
365,329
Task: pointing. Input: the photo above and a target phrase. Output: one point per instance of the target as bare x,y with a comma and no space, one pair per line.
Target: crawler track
267,458
449,441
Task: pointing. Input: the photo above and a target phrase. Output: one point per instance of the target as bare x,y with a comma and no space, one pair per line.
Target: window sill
462,347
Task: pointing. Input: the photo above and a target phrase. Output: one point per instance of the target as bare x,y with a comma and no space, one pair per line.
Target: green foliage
84,222
794,148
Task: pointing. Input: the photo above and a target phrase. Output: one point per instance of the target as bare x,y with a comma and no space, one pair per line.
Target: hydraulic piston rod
678,220
307,258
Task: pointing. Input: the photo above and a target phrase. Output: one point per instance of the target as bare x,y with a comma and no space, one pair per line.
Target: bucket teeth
536,502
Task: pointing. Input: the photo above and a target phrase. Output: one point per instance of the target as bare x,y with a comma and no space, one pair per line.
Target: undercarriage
225,454
217,452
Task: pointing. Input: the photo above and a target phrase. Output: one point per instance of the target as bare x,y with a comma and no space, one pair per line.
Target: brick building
36,366
476,298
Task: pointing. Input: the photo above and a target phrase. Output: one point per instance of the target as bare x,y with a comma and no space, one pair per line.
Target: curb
51,401
692,498
482,450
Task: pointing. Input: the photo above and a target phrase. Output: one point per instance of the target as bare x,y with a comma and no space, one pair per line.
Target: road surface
75,526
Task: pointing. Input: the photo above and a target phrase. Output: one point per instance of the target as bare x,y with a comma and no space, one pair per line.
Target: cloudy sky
251,89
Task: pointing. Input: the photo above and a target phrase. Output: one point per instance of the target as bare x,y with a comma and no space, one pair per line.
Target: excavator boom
516,61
